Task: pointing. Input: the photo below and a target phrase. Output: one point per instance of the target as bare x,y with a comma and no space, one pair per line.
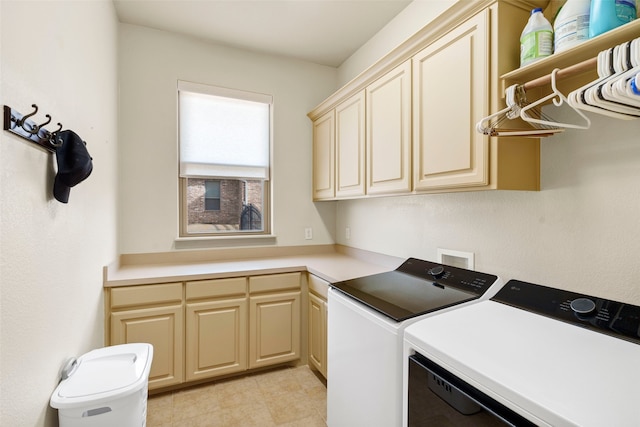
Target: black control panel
459,278
601,315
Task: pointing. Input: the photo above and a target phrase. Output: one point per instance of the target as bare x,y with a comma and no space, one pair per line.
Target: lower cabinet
216,328
318,324
274,315
151,314
208,328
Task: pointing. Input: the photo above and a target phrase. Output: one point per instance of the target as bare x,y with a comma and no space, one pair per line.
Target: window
224,146
211,195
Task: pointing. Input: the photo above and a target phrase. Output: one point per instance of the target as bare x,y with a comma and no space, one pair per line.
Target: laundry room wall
151,63
60,55
580,232
406,23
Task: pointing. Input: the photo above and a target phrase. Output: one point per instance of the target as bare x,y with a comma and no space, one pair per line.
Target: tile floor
285,397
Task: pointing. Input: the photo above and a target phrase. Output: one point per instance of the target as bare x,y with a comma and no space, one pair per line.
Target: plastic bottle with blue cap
635,84
536,41
609,14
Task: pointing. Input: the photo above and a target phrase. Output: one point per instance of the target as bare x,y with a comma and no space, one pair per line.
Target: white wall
151,62
60,55
411,19
581,232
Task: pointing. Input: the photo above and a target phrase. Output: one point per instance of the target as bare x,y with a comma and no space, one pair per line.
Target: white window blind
223,132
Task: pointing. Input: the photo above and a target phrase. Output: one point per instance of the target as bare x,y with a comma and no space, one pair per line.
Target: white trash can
106,387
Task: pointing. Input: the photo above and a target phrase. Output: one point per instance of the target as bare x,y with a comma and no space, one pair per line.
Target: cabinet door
318,333
324,157
389,132
162,327
450,95
274,329
350,147
216,339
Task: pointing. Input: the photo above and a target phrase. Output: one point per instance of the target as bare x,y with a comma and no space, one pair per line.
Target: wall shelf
582,52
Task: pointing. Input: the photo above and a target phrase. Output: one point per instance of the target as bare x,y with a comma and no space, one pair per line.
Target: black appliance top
416,287
598,314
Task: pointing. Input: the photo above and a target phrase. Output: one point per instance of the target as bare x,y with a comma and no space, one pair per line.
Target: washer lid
104,373
550,372
418,287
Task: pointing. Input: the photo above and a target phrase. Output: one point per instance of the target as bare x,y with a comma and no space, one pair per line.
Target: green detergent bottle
536,41
608,14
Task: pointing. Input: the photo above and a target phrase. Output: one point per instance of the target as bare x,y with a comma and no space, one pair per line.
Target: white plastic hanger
621,88
486,127
579,99
558,99
601,94
511,111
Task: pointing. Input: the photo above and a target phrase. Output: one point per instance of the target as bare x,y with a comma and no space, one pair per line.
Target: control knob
583,306
436,272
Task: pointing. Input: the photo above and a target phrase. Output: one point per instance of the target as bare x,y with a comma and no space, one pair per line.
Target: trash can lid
105,373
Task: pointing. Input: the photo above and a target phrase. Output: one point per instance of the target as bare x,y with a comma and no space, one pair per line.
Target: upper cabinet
324,157
389,132
363,145
422,102
450,93
350,134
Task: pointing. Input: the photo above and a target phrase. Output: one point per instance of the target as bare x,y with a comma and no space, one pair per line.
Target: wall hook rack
23,126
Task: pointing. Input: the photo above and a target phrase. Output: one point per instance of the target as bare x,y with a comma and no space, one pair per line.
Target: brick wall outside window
231,202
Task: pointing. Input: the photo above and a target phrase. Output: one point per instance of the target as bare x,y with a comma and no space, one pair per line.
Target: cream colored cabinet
216,327
339,151
152,314
350,147
208,328
317,334
324,157
371,144
456,78
450,94
274,319
388,136
456,82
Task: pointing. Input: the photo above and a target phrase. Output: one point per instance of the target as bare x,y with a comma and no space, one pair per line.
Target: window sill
224,241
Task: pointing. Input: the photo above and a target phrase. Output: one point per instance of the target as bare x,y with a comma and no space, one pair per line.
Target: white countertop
333,264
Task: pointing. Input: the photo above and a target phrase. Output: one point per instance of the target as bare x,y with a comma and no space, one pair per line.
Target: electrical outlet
308,233
347,233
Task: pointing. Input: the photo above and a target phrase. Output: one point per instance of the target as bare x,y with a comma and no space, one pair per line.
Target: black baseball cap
74,164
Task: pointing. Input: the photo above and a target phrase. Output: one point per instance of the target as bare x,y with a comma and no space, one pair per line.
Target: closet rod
578,68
